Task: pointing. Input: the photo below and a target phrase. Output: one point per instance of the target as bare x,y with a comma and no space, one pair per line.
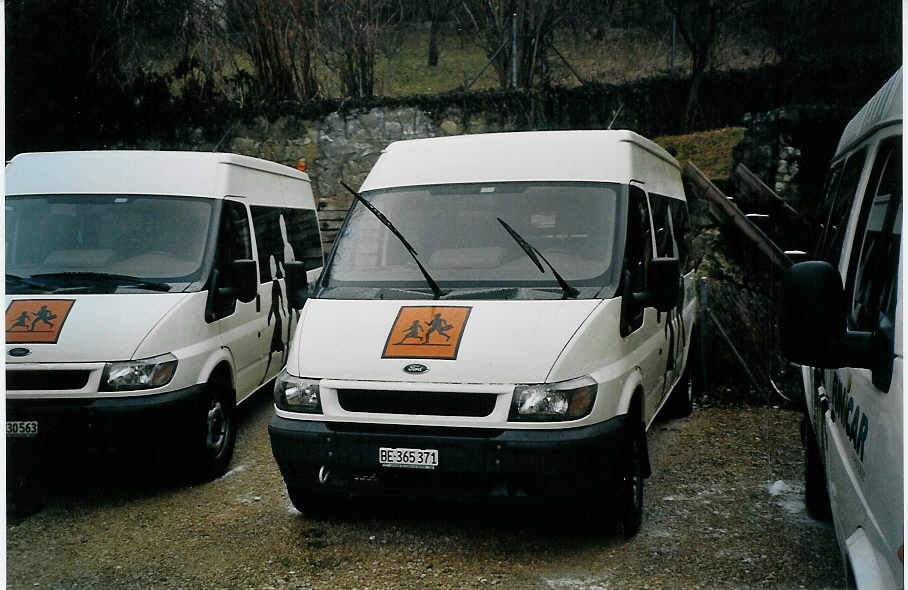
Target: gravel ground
723,509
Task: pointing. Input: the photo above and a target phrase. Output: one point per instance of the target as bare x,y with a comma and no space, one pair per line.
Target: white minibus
145,298
842,317
502,315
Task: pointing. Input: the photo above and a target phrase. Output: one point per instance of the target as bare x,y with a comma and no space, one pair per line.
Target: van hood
455,341
81,328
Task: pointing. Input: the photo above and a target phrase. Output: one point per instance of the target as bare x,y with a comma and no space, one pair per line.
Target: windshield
105,243
455,232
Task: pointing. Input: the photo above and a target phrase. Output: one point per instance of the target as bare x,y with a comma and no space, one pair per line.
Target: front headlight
296,394
567,400
141,374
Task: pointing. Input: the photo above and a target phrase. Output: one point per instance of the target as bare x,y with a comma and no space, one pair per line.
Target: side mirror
297,284
244,279
812,320
663,289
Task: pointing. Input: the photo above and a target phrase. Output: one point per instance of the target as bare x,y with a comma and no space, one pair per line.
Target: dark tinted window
681,230
639,239
874,262
839,201
234,242
286,235
662,225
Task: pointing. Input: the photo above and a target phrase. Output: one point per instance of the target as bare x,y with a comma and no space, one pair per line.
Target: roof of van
885,108
584,156
135,172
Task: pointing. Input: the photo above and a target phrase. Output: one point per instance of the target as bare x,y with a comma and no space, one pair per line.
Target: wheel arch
220,369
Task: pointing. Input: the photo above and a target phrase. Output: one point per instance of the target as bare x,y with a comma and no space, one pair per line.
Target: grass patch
621,55
710,151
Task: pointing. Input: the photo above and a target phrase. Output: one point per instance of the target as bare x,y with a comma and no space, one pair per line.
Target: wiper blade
387,222
127,280
29,282
532,252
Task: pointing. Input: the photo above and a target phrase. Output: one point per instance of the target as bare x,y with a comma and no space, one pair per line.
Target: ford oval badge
416,369
19,352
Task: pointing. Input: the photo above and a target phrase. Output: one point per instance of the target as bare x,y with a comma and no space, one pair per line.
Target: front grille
426,403
411,430
46,380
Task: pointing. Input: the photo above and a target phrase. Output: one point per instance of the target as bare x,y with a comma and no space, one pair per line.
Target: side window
287,235
303,236
666,247
830,246
829,193
874,261
639,249
681,230
234,242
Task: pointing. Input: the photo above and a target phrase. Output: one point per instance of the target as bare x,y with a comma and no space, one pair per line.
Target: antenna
618,112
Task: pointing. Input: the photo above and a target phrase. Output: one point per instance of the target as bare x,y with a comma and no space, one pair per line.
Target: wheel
681,402
218,425
630,486
314,504
816,496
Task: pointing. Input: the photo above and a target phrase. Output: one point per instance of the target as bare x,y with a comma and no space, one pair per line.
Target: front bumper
560,462
77,425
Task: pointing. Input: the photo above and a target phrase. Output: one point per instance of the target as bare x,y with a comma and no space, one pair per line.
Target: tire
630,486
681,402
214,446
314,504
816,496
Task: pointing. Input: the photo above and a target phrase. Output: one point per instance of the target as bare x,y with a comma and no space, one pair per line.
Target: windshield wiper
28,282
387,222
125,280
532,252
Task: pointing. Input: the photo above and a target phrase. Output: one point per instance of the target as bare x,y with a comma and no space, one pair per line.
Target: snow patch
577,583
789,496
661,534
237,469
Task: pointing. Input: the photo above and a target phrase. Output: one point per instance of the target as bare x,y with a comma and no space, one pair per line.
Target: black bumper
561,462
140,423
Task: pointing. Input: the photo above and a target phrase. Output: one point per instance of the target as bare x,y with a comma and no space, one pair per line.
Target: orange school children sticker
426,332
36,320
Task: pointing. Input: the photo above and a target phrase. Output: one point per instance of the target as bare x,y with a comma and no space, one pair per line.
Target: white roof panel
580,156
885,108
132,172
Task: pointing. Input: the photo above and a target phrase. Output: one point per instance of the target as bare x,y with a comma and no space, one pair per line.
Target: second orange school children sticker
426,332
36,320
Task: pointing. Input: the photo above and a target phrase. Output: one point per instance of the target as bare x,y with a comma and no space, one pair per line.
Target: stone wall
790,148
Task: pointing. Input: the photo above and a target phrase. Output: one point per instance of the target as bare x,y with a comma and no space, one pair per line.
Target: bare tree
700,23
281,38
536,20
438,11
352,30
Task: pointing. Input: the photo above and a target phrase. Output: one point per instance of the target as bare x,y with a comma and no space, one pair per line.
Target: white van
519,344
145,297
853,335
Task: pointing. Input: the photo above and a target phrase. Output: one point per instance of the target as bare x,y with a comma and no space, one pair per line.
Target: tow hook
323,474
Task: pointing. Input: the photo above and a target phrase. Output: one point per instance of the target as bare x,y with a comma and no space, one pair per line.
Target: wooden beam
755,186
724,208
